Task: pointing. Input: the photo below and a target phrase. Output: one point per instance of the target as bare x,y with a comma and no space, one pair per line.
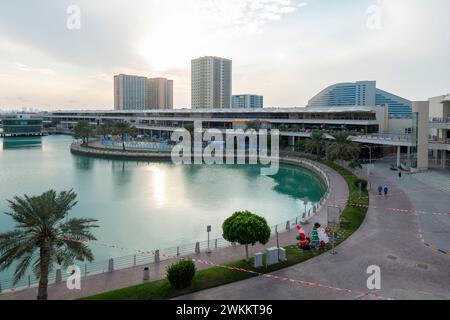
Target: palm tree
44,236
342,148
355,164
105,129
83,131
316,144
190,128
255,124
123,129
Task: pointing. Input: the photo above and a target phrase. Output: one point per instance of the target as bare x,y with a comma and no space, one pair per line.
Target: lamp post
369,167
208,229
305,203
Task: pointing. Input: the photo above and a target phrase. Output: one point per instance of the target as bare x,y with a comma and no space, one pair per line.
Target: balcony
440,123
439,144
392,139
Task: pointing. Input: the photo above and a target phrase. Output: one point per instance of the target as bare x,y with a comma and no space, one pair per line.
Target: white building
211,83
439,134
248,101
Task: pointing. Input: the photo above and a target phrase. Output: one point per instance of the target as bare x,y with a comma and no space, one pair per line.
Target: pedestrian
399,174
386,190
380,190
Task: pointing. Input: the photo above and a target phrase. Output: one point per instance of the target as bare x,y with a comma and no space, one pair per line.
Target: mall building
372,123
385,123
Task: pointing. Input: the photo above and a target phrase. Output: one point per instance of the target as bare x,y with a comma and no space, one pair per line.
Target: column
409,156
444,158
399,150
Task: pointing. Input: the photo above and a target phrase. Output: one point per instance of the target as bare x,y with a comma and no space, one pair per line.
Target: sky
58,54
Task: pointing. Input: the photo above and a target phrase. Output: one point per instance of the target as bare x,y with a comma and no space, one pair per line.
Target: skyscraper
141,93
211,82
160,94
130,92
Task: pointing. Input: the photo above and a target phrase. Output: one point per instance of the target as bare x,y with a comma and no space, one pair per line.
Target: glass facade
135,93
22,126
362,93
397,109
247,101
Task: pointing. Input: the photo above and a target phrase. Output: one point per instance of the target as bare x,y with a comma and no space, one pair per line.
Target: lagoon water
149,205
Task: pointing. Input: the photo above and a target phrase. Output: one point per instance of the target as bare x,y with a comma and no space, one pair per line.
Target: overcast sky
286,50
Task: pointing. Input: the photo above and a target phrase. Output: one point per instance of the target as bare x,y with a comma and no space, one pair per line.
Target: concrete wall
382,115
436,107
399,125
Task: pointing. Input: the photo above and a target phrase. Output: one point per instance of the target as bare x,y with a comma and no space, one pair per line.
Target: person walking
380,190
399,174
386,190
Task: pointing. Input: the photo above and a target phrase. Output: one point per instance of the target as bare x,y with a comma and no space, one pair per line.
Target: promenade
108,281
389,239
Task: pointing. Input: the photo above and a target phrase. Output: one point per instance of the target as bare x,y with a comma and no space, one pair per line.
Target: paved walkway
95,284
429,194
388,239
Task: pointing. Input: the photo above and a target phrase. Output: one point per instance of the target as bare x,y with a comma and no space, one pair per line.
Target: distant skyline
285,50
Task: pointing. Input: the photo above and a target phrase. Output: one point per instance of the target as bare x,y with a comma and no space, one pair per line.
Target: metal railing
439,141
440,120
386,136
138,145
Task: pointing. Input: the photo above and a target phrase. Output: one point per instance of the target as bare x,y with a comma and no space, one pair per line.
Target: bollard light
146,275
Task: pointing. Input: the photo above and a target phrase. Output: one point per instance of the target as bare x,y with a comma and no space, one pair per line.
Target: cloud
246,17
280,48
44,71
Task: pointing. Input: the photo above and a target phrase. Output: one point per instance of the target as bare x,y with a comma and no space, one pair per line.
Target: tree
45,236
191,129
123,129
300,145
315,144
105,129
255,124
342,148
83,131
355,164
246,228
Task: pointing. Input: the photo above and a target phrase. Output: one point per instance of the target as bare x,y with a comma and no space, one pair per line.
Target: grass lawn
352,217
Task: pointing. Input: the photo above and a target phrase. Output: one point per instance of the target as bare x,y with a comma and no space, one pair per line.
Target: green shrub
363,183
181,273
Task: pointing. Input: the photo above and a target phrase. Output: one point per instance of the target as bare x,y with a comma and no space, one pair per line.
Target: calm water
149,205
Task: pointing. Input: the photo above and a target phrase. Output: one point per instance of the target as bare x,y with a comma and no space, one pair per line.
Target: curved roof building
362,93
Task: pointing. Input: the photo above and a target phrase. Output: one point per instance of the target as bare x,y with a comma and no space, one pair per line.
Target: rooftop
232,110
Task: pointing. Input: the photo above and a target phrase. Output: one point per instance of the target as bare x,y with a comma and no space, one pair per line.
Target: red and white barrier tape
265,275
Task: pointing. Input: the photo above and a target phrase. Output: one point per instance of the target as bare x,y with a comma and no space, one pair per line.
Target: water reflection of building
21,142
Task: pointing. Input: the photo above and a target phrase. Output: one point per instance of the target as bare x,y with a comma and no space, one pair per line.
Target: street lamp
208,229
305,203
369,167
